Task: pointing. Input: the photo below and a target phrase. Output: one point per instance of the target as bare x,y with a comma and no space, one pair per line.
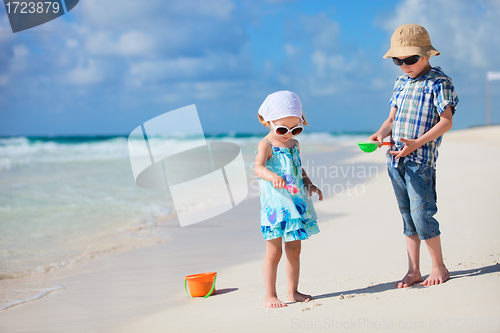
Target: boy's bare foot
438,275
299,297
409,279
273,302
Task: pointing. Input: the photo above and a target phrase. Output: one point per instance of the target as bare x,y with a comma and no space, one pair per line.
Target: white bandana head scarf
281,104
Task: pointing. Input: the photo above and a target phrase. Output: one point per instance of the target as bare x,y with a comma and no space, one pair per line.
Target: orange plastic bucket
200,285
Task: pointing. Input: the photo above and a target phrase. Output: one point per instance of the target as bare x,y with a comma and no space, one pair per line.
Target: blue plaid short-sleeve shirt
420,103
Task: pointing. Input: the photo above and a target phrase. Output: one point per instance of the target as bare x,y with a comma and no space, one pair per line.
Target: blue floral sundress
289,212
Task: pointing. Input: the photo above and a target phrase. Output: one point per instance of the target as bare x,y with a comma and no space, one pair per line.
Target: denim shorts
415,188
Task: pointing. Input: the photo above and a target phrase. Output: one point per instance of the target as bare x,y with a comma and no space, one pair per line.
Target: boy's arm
444,125
260,166
386,128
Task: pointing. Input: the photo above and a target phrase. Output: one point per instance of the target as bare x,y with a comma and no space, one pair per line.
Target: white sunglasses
283,130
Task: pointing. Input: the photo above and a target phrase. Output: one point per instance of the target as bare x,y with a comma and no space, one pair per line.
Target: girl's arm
386,128
308,183
263,152
443,125
310,186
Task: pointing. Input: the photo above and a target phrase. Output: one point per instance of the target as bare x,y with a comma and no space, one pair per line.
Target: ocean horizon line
75,138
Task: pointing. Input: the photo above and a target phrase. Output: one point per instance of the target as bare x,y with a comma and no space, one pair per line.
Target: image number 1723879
31,7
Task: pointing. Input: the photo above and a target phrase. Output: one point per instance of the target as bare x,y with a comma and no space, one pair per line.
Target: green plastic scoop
371,146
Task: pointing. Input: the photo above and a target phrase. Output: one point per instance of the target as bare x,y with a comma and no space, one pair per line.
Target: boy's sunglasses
408,61
283,130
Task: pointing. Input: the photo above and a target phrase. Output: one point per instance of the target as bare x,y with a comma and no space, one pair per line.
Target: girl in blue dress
287,211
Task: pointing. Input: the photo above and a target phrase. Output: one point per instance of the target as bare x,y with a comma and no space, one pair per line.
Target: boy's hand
313,188
410,146
279,182
376,137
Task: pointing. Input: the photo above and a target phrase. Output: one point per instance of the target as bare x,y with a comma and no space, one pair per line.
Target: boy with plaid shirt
422,108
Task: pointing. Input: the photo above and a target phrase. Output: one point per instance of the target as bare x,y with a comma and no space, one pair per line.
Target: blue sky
108,65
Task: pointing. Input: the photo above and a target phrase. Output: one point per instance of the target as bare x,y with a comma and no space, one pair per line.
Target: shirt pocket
424,98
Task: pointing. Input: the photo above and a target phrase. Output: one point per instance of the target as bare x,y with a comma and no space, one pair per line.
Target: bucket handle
211,289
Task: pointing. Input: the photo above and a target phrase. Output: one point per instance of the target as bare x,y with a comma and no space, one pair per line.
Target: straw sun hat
409,40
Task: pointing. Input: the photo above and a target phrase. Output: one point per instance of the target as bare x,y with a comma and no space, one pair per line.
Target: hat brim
408,51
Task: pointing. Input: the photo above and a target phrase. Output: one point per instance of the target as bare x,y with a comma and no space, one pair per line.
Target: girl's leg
413,275
292,250
273,256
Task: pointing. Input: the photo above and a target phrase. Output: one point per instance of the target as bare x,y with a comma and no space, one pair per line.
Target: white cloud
331,70
215,89
213,66
152,53
71,43
20,52
4,80
462,30
322,31
222,10
130,43
161,41
328,63
378,84
319,61
292,51
109,14
85,74
279,1
18,62
166,28
205,91
169,69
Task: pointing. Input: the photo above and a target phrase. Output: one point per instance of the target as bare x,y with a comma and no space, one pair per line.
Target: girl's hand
279,182
313,188
410,146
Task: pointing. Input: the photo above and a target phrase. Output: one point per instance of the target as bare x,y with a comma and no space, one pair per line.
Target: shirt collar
433,72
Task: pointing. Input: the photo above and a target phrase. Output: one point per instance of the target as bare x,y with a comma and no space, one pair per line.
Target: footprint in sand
307,308
342,296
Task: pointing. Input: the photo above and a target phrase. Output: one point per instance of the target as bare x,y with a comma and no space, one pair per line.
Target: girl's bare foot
273,302
409,279
438,275
299,297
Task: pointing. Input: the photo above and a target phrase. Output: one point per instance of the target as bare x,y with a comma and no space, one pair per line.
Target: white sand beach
350,267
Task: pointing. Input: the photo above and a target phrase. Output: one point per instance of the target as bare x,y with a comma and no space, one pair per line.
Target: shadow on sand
378,288
223,291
